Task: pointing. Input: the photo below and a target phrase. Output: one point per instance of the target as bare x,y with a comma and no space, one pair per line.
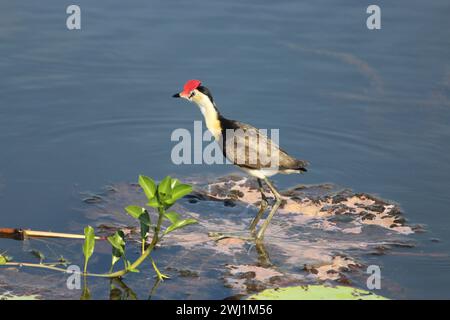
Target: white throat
209,113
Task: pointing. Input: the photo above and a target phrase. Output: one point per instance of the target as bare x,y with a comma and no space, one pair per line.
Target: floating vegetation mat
321,235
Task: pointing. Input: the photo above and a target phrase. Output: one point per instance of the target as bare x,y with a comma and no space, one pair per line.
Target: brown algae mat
322,234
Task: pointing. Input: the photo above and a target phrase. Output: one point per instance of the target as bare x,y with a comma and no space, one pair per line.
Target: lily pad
11,296
316,292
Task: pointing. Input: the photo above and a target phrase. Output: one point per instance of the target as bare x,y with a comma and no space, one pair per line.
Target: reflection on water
369,109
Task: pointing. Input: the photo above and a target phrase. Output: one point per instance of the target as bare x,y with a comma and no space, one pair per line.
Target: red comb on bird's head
190,85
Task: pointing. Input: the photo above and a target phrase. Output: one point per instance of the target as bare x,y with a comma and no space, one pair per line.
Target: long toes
216,236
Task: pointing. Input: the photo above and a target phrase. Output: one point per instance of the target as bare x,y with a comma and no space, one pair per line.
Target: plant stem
43,266
161,212
101,275
21,234
34,265
146,253
116,274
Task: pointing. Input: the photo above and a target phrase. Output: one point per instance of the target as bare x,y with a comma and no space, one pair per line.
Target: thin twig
21,234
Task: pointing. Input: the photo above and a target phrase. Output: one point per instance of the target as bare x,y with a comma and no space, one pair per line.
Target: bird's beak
176,95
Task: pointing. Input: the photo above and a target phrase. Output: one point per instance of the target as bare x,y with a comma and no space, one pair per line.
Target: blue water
369,109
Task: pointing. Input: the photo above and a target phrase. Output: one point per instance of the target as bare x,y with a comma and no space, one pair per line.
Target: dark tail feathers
301,165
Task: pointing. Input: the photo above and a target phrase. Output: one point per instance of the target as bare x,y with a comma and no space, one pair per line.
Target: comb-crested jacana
241,154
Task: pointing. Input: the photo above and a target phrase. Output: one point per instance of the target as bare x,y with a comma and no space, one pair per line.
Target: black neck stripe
206,91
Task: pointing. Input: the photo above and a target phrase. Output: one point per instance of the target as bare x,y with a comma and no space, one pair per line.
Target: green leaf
180,191
4,258
89,244
174,183
134,211
148,185
128,267
142,215
38,255
172,216
154,203
179,224
133,270
316,292
144,219
168,202
63,261
117,242
114,260
164,189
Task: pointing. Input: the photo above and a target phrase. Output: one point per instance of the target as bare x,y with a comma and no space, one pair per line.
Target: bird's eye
192,94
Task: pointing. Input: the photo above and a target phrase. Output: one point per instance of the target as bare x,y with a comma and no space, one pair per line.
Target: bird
243,145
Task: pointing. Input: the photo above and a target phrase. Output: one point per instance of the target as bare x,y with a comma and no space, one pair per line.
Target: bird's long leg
219,235
260,235
262,207
263,255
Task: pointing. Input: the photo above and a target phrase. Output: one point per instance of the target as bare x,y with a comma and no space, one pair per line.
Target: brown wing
250,147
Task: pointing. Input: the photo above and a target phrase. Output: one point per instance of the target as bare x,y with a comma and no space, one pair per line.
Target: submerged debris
335,270
250,278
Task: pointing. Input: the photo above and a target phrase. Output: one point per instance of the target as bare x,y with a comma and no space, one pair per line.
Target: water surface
369,109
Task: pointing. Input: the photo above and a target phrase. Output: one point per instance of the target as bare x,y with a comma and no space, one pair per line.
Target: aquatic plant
11,296
161,197
315,292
